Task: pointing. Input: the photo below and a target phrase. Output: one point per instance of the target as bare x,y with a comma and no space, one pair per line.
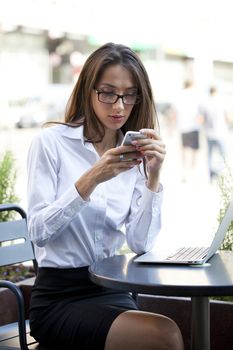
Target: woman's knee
170,334
165,332
144,331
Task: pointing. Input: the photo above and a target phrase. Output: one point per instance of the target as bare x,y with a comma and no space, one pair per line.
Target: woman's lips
117,118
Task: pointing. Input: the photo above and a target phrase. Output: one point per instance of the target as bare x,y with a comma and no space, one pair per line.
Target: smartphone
131,136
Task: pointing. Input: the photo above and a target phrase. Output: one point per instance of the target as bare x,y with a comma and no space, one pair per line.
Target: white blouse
70,232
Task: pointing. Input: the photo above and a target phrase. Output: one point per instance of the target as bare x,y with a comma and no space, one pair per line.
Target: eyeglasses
111,98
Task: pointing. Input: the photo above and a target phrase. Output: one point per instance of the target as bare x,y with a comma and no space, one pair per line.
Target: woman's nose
119,105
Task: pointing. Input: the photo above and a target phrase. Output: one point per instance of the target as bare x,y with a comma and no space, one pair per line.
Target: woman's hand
113,162
153,149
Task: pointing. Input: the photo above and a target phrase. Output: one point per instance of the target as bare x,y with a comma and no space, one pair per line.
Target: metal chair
16,335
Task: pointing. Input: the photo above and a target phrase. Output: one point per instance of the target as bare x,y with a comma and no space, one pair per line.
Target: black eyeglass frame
117,98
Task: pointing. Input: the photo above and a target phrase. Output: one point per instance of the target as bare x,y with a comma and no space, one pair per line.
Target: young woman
88,194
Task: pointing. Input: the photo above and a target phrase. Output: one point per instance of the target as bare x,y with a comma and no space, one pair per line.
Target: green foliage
8,176
7,183
224,298
225,183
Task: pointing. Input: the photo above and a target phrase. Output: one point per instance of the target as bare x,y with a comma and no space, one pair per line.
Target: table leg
200,323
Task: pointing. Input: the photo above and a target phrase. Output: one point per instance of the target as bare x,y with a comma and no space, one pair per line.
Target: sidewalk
190,208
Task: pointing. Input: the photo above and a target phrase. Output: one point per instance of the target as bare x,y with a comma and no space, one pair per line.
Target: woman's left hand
153,149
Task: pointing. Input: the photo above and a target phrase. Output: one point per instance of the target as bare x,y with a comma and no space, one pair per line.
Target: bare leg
185,163
138,330
194,158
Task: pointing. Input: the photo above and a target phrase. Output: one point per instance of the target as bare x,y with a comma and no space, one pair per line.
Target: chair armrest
15,207
20,306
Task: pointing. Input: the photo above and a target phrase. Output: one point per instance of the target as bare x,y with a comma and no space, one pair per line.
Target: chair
16,335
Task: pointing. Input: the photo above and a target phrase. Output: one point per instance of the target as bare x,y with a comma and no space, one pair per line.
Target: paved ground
189,207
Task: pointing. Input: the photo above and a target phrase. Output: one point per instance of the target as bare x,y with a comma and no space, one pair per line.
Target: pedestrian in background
216,129
188,121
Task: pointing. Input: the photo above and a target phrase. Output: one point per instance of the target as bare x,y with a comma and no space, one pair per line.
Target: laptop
191,255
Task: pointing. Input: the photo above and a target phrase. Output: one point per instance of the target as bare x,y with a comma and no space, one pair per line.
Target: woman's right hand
113,162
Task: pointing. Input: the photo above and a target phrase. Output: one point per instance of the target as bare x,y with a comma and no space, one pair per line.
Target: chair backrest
15,245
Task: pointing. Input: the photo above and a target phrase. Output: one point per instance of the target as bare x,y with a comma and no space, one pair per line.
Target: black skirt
68,311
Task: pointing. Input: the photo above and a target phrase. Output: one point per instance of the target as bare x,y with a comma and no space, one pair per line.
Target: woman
83,188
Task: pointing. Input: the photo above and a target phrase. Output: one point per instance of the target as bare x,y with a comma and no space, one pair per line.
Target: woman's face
115,80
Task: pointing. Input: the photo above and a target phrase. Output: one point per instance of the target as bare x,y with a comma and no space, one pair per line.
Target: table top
122,272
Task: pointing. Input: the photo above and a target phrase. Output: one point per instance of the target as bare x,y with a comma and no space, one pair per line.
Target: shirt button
98,237
69,211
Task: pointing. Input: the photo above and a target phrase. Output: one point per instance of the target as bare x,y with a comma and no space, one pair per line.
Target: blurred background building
44,43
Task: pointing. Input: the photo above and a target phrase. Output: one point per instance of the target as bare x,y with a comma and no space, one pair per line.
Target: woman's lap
75,326
71,321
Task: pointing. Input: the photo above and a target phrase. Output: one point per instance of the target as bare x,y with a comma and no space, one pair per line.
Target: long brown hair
79,110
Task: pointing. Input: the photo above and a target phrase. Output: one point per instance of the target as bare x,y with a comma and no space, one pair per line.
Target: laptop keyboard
188,254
